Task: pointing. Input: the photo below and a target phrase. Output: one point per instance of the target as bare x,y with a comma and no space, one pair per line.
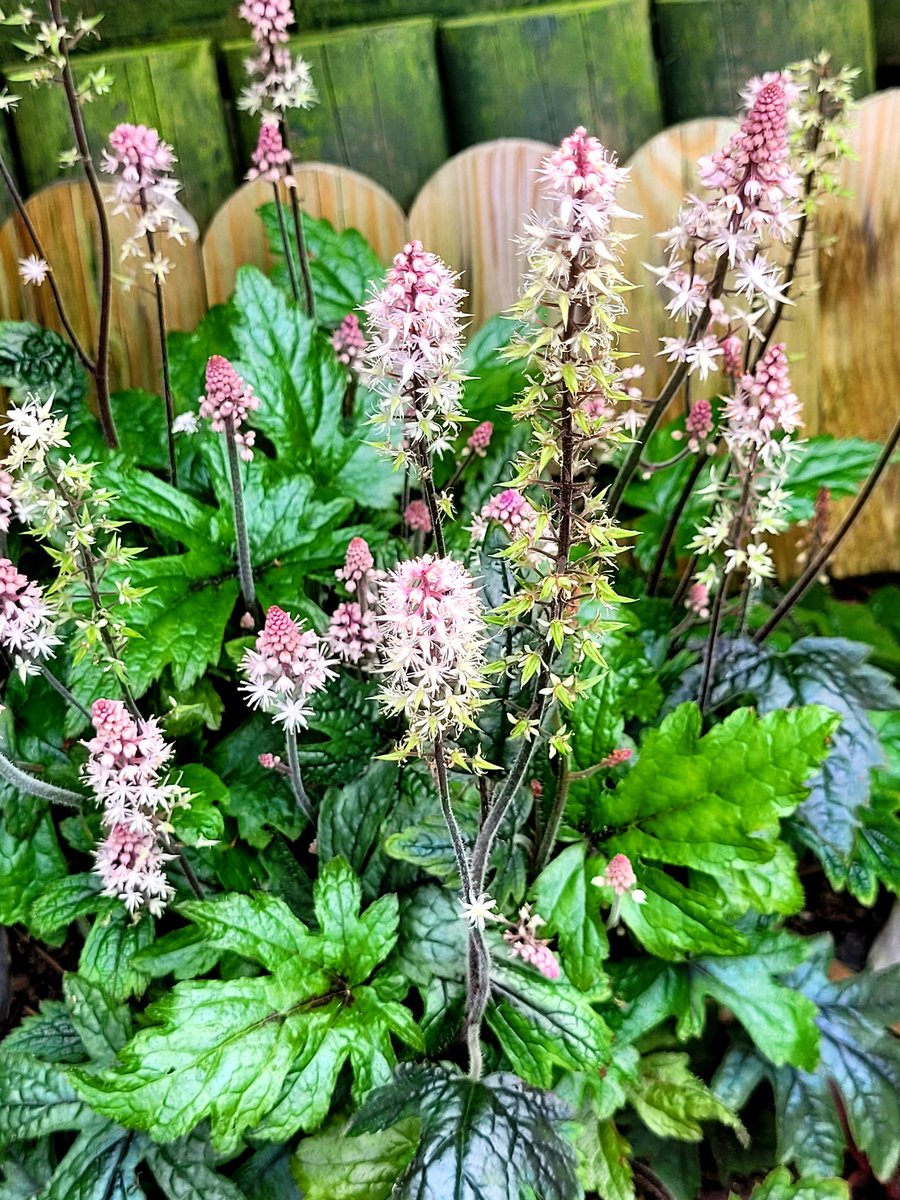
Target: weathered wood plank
859,347
471,211
709,48
380,110
64,217
537,74
347,199
174,88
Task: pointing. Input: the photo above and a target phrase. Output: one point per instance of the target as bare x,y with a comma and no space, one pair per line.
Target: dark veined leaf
48,1035
258,799
30,857
712,805
266,1175
344,732
333,1166
62,901
490,1139
263,1052
34,359
860,1061
36,1098
779,1018
108,950
832,672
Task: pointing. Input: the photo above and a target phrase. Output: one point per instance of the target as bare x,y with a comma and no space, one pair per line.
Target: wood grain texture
470,213
859,343
65,219
380,107
174,88
539,73
346,198
709,48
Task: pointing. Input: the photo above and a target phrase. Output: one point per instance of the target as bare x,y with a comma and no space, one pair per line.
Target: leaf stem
300,793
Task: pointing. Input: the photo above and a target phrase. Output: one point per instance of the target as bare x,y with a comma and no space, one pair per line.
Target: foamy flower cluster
353,634
432,648
524,943
145,191
698,426
284,669
227,402
271,161
620,877
349,343
759,419
126,770
358,566
720,245
417,517
413,356
27,621
279,80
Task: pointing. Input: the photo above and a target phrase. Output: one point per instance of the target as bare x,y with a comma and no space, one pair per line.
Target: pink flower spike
699,424
130,864
733,355
584,169
417,516
524,943
617,757
27,620
349,342
270,158
228,398
697,600
357,564
511,510
284,669
269,20
480,439
353,634
619,874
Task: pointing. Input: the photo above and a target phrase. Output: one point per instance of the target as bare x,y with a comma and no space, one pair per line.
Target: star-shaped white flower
479,910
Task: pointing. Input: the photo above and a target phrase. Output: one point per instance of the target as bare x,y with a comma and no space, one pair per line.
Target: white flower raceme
432,647
413,355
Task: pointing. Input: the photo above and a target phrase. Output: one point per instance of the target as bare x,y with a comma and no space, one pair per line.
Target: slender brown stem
459,847
17,200
819,560
60,688
101,373
302,252
426,478
286,244
668,536
164,354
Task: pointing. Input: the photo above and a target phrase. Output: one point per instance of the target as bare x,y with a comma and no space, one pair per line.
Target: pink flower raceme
432,647
479,440
510,509
284,669
699,425
269,20
141,159
228,399
279,80
353,634
27,621
417,516
697,600
271,161
357,567
523,942
616,757
619,874
127,761
413,355
349,342
733,355
131,866
763,406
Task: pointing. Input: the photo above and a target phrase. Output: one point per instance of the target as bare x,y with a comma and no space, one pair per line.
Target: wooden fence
843,334
406,84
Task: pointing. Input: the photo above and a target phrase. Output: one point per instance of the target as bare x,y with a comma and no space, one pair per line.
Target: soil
30,973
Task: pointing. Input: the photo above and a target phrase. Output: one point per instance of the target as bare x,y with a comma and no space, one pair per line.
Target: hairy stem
426,477
300,793
302,252
245,567
19,204
551,833
459,847
29,786
101,372
818,561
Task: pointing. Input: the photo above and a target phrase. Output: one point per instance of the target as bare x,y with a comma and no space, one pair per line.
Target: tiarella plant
444,829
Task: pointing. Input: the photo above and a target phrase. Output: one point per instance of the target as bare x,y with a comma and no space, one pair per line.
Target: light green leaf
334,1166
672,1102
570,905
106,955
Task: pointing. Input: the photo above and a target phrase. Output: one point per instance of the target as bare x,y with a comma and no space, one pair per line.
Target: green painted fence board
380,110
887,40
540,73
709,48
174,88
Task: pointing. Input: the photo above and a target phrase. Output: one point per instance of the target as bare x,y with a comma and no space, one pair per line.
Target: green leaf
333,1166
779,1019
36,359
606,1169
48,1035
838,464
343,265
564,897
824,671
779,1185
106,955
36,1098
541,1023
488,1139
184,1170
103,1025
258,799
30,857
102,1162
672,1102
265,1052
202,822
62,902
